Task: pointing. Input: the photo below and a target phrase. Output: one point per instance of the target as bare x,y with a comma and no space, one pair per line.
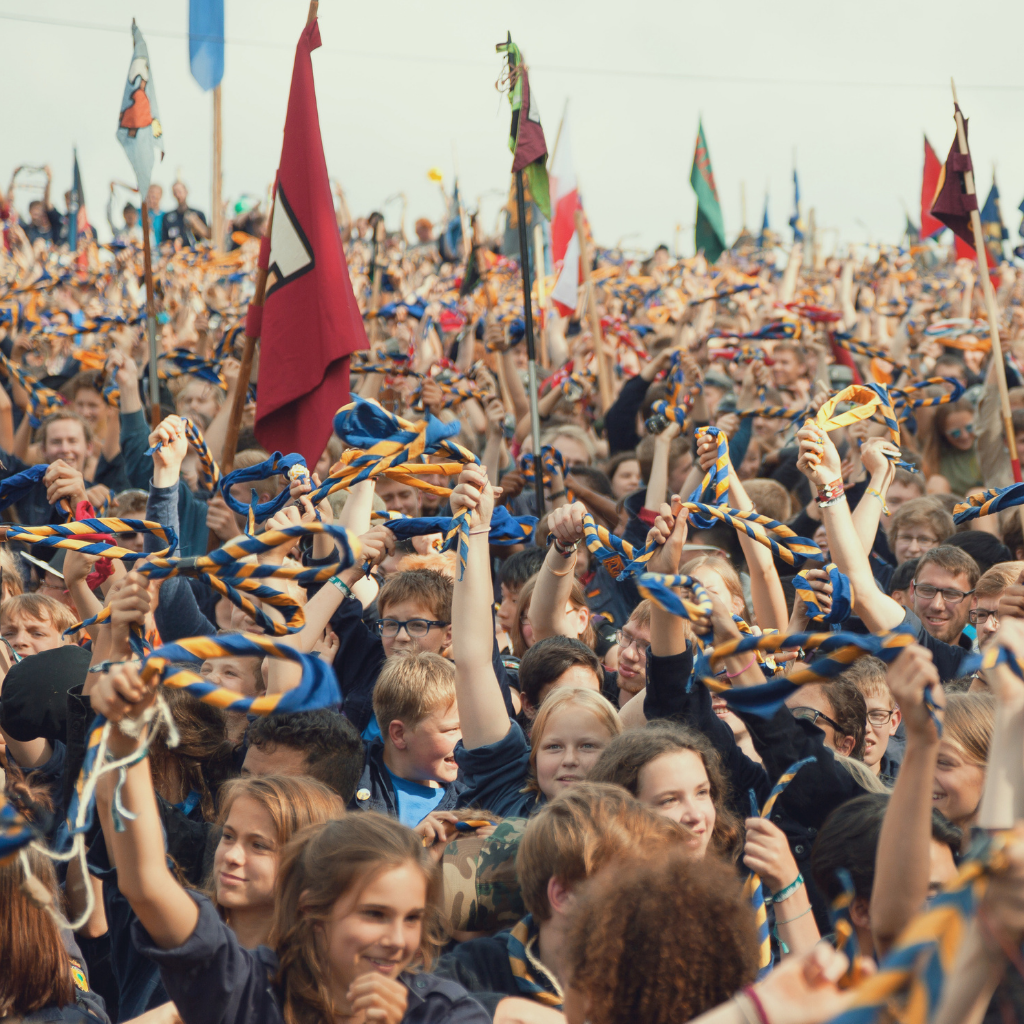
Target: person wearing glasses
951,449
939,597
984,613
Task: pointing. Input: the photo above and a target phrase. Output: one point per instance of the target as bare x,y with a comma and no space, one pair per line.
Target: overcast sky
849,89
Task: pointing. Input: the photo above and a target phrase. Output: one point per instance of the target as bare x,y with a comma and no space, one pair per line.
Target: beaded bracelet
784,894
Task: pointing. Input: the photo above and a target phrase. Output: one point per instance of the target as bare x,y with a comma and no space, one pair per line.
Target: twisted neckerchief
532,979
752,887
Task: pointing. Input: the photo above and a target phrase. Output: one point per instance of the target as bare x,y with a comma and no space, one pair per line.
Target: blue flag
762,239
138,127
796,221
206,41
992,225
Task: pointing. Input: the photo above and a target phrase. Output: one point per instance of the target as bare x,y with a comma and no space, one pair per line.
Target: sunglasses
958,432
812,715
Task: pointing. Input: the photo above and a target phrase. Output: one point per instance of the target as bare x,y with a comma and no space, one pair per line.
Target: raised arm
868,513
820,463
548,615
163,907
904,845
657,485
482,714
495,456
1002,800
769,600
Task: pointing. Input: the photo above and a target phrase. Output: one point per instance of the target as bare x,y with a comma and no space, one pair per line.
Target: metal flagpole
524,263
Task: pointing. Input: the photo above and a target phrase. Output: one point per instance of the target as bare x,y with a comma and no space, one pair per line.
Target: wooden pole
604,382
227,462
216,217
542,298
147,264
990,298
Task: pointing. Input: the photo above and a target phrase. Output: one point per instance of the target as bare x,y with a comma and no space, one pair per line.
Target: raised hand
819,460
377,544
121,693
910,677
566,523
63,481
669,533
170,435
766,851
474,491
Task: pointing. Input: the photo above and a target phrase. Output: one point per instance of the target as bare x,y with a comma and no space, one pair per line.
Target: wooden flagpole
604,382
990,299
147,265
216,217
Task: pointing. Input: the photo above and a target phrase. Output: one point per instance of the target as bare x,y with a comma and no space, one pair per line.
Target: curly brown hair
661,940
628,754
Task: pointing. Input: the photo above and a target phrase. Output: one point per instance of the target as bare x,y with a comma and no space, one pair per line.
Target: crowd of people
573,769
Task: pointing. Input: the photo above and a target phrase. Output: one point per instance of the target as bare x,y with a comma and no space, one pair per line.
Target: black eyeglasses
977,616
812,715
879,716
949,595
414,627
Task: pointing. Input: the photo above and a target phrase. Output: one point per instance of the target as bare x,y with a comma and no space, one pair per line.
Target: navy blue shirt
212,979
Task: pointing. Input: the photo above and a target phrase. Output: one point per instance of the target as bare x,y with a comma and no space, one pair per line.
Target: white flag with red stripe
565,199
565,294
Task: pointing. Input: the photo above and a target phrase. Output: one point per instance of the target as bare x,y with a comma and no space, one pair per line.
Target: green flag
710,229
526,138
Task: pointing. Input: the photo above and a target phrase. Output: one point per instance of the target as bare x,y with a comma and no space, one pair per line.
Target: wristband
565,552
878,494
479,529
784,894
830,493
557,494
341,585
751,993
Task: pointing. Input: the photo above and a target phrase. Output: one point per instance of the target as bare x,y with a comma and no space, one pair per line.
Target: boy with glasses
984,613
883,718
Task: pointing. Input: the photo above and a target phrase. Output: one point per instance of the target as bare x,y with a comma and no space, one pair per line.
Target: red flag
968,252
929,189
311,322
952,205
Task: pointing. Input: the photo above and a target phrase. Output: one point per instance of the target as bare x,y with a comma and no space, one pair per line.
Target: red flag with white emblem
311,321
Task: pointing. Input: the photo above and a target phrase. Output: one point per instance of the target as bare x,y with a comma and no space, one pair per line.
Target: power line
560,69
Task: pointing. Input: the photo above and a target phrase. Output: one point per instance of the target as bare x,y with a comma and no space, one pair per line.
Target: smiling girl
501,769
355,908
258,816
963,757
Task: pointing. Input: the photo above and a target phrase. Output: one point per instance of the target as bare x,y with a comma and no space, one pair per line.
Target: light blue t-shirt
372,730
415,802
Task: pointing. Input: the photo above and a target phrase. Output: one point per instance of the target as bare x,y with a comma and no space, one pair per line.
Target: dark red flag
311,322
929,188
952,204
